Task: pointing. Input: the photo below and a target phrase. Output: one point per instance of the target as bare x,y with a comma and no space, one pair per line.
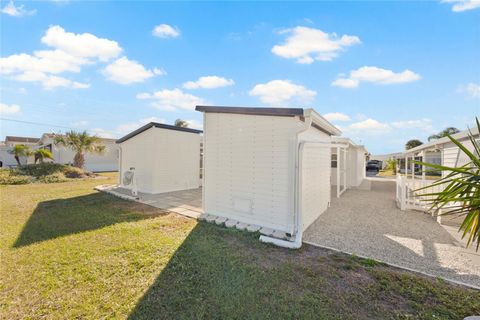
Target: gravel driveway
367,222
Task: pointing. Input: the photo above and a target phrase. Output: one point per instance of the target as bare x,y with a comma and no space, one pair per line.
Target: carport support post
412,166
338,172
423,167
345,168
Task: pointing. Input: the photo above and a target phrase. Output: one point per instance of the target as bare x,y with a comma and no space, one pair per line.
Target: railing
407,198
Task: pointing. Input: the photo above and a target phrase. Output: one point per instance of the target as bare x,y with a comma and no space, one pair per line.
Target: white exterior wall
453,156
248,165
8,160
315,189
164,160
249,170
355,167
107,161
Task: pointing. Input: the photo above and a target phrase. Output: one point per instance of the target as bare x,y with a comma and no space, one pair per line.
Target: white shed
348,164
268,167
165,158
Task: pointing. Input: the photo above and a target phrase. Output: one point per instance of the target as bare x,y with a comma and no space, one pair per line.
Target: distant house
349,171
6,158
442,151
107,161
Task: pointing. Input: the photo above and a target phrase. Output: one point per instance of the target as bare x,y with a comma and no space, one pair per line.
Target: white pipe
296,244
297,230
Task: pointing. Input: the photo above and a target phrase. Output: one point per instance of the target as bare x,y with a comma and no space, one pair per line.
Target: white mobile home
106,161
6,158
348,164
268,167
442,151
165,158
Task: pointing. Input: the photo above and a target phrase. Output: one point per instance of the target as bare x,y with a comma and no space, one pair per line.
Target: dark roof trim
285,112
156,125
22,139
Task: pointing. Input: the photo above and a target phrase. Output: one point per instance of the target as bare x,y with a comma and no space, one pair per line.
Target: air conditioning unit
129,181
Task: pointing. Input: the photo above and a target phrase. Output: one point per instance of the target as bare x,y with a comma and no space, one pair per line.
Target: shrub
74,172
41,169
6,177
53,178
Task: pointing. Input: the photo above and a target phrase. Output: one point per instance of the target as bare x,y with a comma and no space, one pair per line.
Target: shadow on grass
62,217
220,273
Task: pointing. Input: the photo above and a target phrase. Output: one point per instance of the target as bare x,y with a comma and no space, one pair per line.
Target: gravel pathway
368,223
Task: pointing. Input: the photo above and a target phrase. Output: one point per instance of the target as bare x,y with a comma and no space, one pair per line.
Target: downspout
296,243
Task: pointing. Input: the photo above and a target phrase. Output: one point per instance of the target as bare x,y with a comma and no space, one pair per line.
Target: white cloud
368,127
15,11
9,109
375,75
208,82
336,116
131,126
50,81
345,83
70,52
308,44
124,128
282,92
125,71
172,100
420,124
84,45
463,5
166,31
102,133
471,89
195,124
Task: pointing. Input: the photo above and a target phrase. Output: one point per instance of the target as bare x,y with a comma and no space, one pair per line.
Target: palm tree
81,143
181,123
20,150
412,144
42,154
461,190
444,133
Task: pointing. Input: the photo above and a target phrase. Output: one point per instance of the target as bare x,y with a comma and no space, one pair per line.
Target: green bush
41,169
53,178
6,177
43,172
74,172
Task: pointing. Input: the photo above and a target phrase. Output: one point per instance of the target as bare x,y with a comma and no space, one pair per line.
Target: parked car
374,165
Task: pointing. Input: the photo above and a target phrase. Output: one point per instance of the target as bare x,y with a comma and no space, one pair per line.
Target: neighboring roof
349,141
21,139
156,125
459,136
317,120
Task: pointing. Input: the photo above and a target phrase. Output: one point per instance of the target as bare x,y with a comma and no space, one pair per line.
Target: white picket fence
409,199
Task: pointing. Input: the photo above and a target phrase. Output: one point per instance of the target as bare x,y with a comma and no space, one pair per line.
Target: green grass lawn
70,252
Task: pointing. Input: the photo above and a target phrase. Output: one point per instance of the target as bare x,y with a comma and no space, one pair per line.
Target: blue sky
384,72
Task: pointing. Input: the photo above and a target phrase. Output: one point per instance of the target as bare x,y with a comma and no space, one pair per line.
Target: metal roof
156,125
21,139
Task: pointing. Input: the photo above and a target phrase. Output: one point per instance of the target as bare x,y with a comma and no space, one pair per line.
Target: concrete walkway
184,202
366,222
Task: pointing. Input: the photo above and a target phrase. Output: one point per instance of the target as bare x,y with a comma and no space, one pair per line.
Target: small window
334,160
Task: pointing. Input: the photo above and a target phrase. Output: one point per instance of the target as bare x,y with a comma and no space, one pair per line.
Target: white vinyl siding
164,160
248,168
315,182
